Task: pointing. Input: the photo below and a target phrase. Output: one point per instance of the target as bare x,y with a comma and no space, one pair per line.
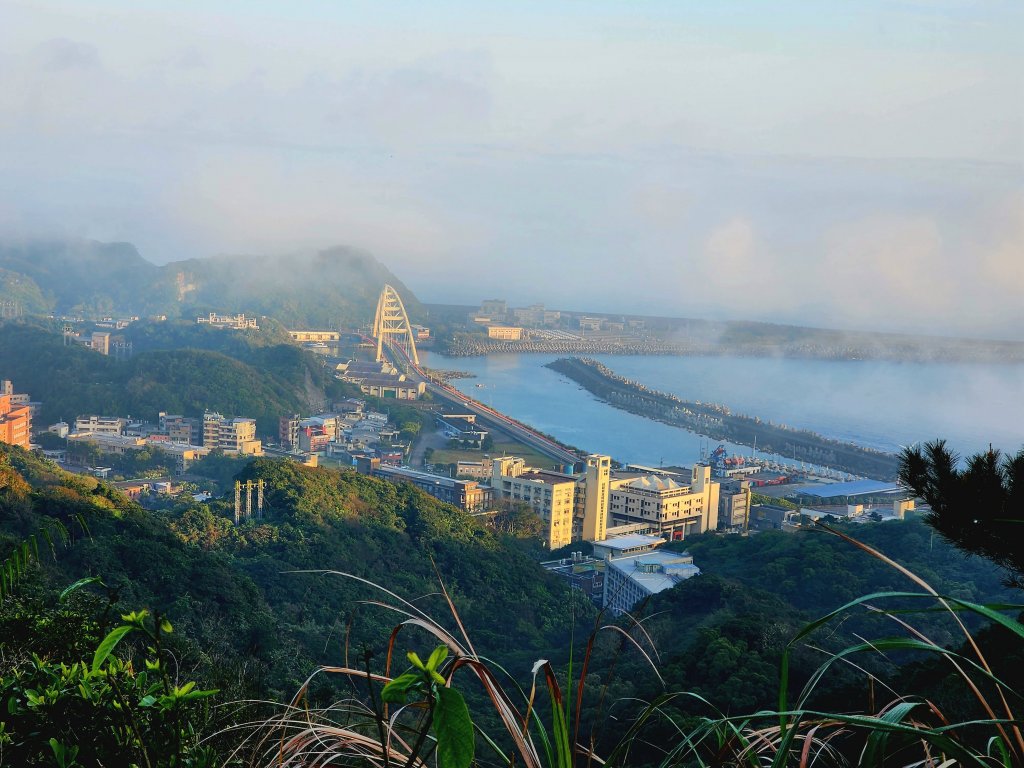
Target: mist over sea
877,404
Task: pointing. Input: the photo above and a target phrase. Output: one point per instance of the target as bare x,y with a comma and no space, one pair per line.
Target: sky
852,165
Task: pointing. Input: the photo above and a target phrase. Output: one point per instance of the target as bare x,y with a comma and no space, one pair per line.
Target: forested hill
258,380
94,279
247,620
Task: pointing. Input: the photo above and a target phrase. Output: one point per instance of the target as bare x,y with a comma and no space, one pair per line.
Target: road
488,416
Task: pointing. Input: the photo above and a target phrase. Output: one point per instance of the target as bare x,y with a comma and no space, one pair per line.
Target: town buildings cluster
185,438
347,433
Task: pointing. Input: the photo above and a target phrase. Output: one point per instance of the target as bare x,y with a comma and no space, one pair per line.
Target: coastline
719,423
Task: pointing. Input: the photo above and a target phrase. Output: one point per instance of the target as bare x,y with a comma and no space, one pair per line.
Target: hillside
84,277
251,622
259,379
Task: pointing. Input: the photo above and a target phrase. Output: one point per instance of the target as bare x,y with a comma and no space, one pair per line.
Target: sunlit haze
853,165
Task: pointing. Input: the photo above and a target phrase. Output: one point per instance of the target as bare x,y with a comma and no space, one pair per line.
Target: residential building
15,416
184,430
288,431
477,470
101,425
551,495
349,406
734,504
312,439
100,342
674,509
231,435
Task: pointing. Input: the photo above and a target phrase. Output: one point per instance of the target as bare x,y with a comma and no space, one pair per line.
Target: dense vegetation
251,623
247,620
263,382
979,507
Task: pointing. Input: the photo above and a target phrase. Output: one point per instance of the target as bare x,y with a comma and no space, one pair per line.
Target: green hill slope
248,618
309,289
259,381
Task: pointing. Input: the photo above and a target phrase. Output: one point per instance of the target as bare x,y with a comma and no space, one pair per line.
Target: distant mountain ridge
327,287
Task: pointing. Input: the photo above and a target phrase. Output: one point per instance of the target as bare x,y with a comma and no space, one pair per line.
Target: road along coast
719,423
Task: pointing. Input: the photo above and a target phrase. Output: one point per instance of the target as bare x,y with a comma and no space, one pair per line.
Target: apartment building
734,504
183,430
231,435
551,495
101,425
15,416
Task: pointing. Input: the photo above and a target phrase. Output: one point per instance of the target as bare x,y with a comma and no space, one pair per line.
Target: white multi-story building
101,425
635,577
673,508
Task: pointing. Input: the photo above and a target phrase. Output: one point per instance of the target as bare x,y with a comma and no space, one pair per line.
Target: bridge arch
391,325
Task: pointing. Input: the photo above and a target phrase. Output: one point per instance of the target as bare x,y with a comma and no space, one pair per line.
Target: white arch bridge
391,326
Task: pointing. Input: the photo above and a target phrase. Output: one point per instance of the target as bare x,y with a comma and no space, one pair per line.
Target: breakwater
951,351
718,422
469,346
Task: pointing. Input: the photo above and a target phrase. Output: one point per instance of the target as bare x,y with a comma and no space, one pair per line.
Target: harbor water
877,404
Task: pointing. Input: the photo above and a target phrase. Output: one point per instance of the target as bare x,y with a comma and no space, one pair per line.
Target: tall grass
541,724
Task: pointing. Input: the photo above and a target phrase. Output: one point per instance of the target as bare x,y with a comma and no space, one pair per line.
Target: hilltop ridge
310,288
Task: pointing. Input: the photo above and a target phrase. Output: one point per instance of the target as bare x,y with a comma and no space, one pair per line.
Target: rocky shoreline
719,423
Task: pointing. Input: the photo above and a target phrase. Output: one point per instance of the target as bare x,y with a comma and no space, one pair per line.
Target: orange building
15,421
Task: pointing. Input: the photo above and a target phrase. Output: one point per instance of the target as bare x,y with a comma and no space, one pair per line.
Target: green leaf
395,691
78,585
415,660
107,646
440,654
454,730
